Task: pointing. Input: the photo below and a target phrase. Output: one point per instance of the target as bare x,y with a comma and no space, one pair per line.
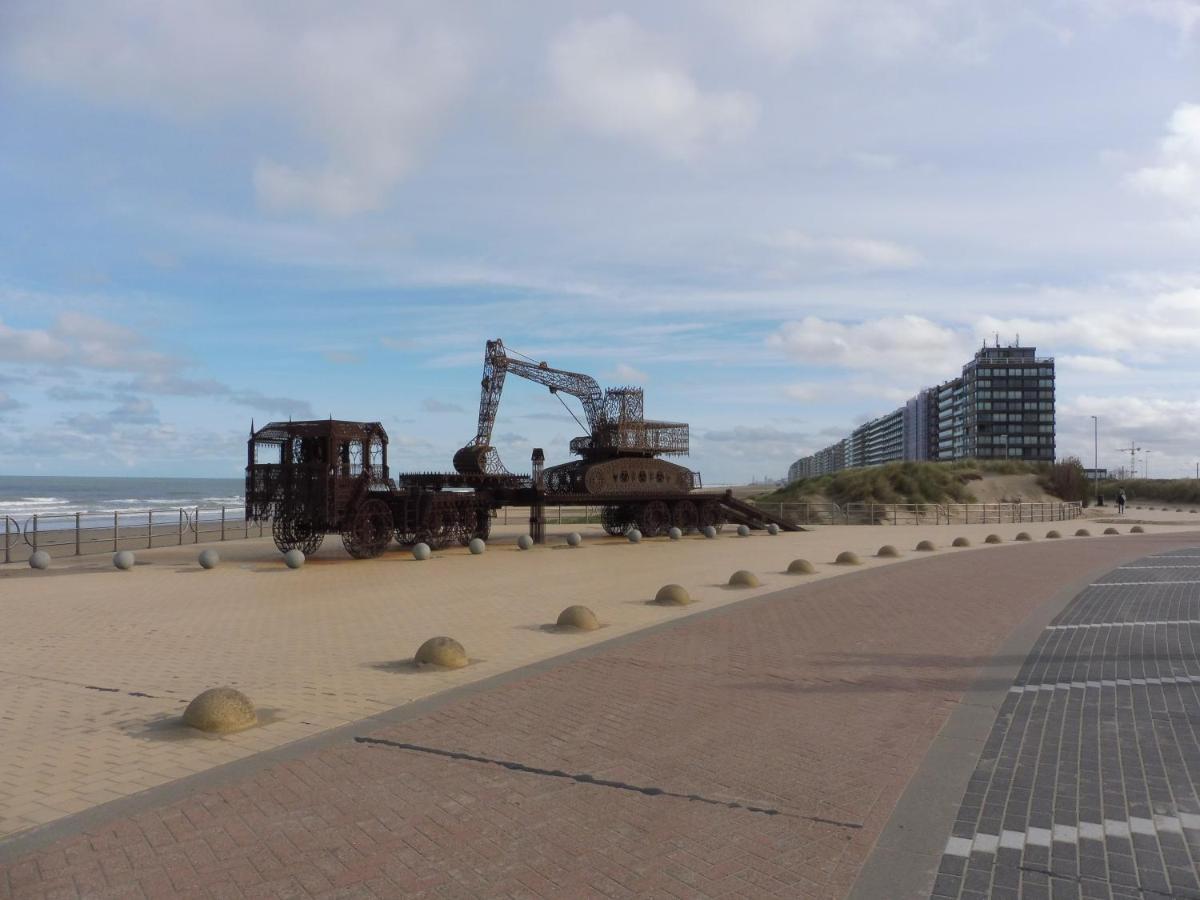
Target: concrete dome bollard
634,536
674,533
294,558
887,551
744,578
1179,510
1137,529
1111,530
847,558
743,531
801,567
209,559
524,542
772,529
574,539
421,551
476,546
123,560
1083,532
222,710
39,559
441,651
709,532
926,546
578,617
993,539
960,542
672,595
1023,536
1052,534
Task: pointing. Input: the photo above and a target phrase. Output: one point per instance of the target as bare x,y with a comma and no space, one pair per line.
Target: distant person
1121,502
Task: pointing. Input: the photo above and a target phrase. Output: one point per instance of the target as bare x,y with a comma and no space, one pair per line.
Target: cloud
8,403
753,434
341,357
1163,324
130,411
629,375
876,162
891,343
433,405
82,340
858,252
1096,365
1176,174
877,29
64,394
616,80
179,386
369,85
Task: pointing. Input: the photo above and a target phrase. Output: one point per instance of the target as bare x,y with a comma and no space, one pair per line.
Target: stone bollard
578,617
209,559
222,710
672,595
961,542
634,536
674,533
39,559
744,578
445,652
476,546
887,551
926,546
993,539
709,532
421,551
1052,534
772,529
123,560
574,539
524,542
1023,536
743,531
294,558
801,567
847,558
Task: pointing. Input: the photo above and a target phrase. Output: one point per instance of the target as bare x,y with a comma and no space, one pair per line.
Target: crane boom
614,417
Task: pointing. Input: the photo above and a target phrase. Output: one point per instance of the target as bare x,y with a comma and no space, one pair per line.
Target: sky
780,217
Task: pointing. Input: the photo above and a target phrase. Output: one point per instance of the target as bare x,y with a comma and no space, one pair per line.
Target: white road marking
1124,624
1071,834
1137,583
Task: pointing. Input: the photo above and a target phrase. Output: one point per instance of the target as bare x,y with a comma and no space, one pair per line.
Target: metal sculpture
331,477
619,456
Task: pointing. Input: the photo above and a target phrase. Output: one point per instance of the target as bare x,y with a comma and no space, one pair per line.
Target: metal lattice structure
615,418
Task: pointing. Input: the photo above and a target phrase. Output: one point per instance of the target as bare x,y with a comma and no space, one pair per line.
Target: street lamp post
1096,457
1148,452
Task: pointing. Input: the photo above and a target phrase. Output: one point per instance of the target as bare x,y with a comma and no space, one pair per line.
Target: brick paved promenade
1088,784
755,751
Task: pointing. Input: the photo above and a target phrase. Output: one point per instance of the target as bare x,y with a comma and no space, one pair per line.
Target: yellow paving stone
98,669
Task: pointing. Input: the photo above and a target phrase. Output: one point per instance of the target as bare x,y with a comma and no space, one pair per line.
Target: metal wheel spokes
293,533
711,514
685,516
615,520
370,531
655,518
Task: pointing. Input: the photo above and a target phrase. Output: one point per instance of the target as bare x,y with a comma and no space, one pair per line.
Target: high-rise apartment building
1000,407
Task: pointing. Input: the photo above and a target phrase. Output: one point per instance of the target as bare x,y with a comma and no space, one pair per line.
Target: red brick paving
818,703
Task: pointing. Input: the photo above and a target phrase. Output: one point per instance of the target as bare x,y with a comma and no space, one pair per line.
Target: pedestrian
1121,502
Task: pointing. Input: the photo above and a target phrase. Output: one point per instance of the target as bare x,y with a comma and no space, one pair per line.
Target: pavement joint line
1071,834
1138,583
1102,683
1138,622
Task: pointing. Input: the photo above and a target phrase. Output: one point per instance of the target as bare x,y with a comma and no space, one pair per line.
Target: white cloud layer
858,252
615,79
1176,173
369,90
902,344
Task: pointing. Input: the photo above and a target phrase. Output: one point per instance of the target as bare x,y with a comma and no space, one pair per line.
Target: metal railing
80,533
803,513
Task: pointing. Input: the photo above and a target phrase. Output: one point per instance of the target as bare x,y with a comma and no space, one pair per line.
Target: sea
56,499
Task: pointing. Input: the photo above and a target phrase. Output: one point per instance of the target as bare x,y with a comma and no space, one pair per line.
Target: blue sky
780,217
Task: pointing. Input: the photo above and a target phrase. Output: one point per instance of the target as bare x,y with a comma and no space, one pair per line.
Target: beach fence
801,513
81,533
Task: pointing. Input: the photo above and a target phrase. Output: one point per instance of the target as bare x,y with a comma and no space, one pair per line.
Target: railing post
196,527
149,528
77,534
246,522
222,523
115,532
35,532
181,526
7,556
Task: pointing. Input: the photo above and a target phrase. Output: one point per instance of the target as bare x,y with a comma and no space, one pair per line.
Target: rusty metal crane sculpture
619,455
